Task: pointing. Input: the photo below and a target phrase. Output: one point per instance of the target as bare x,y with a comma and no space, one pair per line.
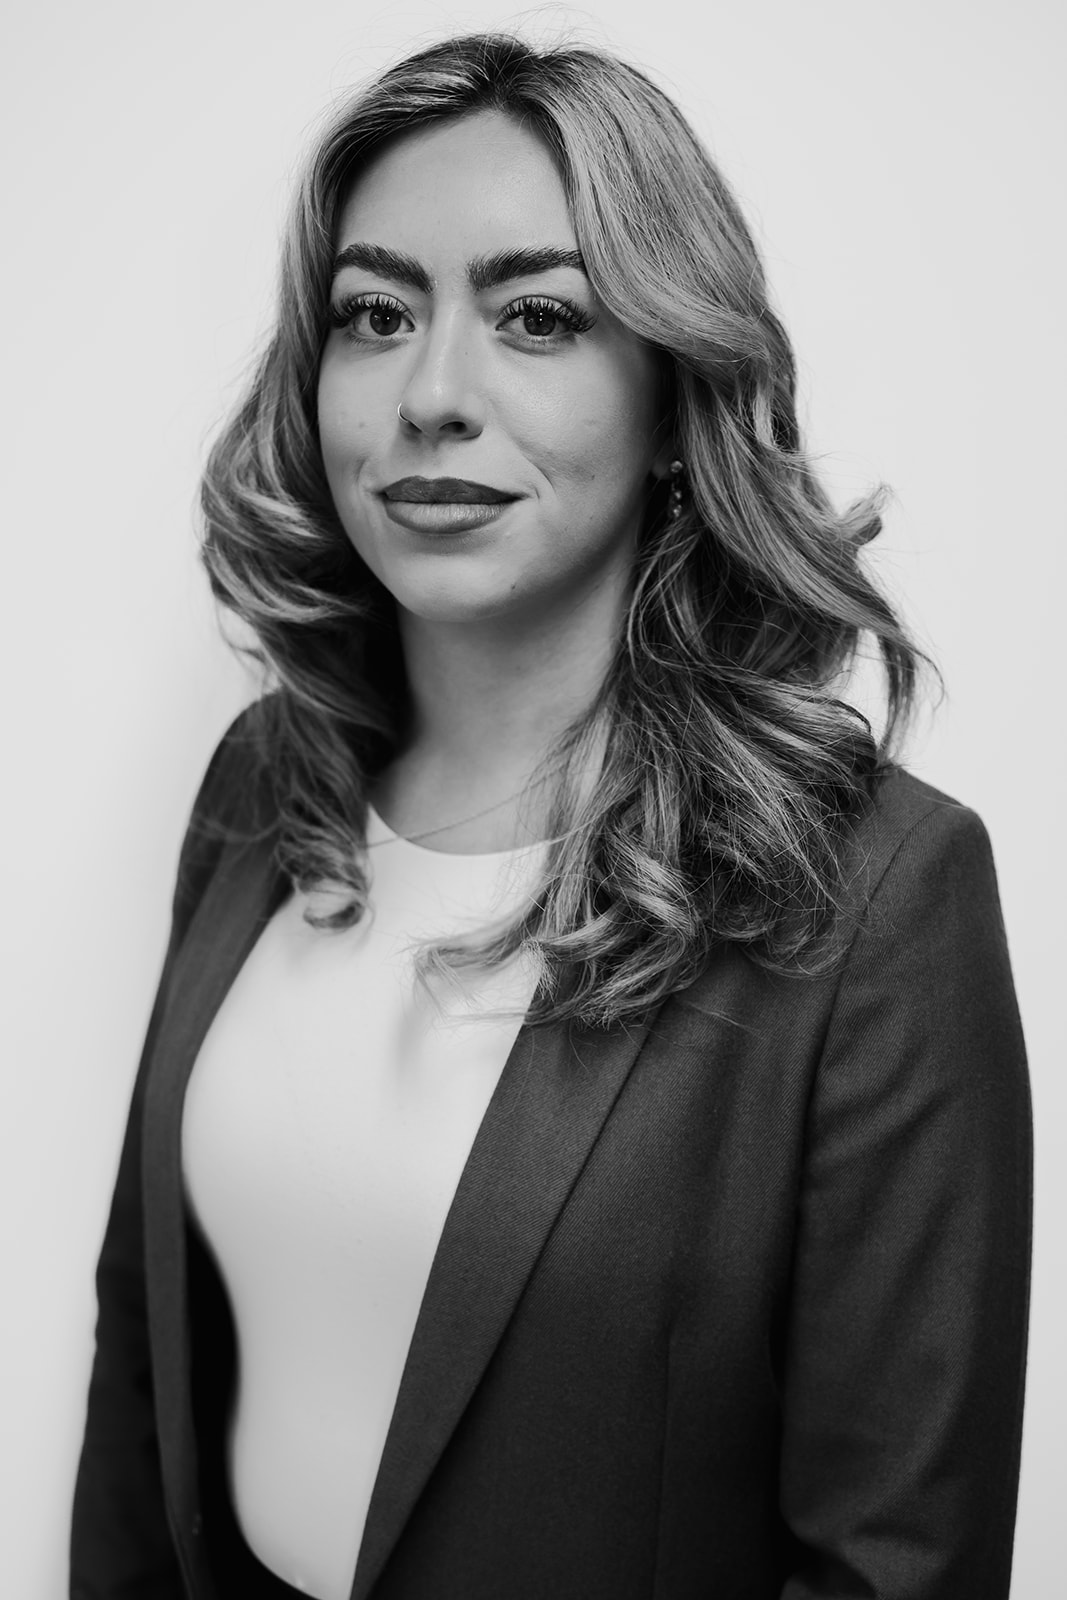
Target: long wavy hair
729,774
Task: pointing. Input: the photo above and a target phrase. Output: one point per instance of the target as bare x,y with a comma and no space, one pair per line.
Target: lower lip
443,516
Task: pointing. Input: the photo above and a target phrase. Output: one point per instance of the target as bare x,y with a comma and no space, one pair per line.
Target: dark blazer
730,1305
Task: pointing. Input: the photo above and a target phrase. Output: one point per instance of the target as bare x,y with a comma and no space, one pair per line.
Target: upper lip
461,490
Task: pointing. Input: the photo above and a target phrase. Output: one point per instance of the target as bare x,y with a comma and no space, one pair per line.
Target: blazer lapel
239,901
556,1090
553,1096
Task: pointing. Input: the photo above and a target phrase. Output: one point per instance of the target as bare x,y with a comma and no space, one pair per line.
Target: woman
582,1141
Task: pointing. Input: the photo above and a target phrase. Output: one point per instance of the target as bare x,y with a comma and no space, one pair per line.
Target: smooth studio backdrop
902,165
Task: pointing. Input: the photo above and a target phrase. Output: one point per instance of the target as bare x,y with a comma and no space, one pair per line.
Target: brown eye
384,320
546,322
368,319
540,323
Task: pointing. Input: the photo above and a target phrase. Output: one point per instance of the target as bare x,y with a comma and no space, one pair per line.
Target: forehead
458,189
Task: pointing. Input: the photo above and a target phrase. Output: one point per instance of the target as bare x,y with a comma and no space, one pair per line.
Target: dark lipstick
446,491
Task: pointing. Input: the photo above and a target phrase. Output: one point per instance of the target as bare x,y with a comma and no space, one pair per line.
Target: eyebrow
484,272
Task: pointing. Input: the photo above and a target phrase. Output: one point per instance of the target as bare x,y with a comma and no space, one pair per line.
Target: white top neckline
379,832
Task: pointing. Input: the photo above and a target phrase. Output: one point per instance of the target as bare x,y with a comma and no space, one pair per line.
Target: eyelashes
381,308
344,313
537,307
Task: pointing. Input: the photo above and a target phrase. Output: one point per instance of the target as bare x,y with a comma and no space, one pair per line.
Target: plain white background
902,166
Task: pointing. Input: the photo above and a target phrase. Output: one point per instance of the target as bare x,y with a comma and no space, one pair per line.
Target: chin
467,593
465,608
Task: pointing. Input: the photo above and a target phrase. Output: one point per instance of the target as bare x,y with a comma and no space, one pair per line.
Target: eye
547,321
371,318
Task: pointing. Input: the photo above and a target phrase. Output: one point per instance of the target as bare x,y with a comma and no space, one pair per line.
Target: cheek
610,452
345,429
630,405
608,425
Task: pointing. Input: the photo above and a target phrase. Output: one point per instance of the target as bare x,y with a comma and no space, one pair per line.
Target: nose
442,395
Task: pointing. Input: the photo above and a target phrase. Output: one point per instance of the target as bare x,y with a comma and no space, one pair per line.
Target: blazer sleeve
906,1345
120,1541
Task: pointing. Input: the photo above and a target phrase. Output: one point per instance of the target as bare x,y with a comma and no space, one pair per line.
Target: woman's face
460,297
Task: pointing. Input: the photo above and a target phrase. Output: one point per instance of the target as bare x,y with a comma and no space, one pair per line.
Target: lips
446,491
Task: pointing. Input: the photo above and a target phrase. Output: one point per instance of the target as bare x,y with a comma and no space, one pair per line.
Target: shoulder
923,895
236,794
235,782
903,804
918,892
924,1012
234,805
911,834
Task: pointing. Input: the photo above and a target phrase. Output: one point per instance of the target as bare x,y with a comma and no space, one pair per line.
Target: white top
327,1120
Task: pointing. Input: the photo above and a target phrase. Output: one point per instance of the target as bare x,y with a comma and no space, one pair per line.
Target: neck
488,702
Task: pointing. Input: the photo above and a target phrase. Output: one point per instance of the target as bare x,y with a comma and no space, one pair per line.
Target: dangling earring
674,499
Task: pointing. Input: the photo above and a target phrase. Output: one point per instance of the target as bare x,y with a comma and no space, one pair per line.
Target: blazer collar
557,1088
